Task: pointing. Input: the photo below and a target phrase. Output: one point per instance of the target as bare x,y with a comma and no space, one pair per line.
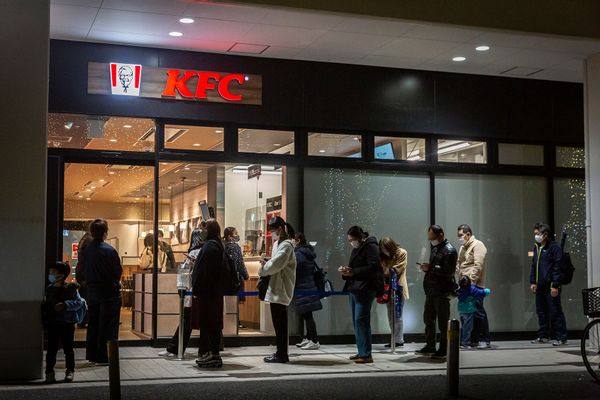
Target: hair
278,222
98,229
464,281
358,232
149,240
85,240
465,228
161,233
300,238
389,245
62,267
436,229
543,228
202,224
228,232
213,230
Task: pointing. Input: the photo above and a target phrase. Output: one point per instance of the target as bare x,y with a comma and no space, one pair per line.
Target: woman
364,280
146,262
305,281
85,240
281,270
206,288
393,261
231,238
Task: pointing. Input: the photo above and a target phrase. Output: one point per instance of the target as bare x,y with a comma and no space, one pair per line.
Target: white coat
282,270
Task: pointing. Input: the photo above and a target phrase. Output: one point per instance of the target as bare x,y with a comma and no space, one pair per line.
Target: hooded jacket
282,270
305,280
367,273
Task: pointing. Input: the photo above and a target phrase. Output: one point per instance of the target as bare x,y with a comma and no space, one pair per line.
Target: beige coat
398,263
471,261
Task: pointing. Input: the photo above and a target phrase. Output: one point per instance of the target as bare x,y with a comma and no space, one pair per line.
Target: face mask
236,238
462,240
355,244
539,238
54,278
435,242
275,236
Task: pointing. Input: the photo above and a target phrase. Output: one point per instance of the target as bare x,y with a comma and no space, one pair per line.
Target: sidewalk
141,365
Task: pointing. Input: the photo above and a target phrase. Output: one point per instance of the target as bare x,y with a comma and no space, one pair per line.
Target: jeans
63,333
311,326
437,308
280,323
173,345
398,329
103,325
549,310
481,330
466,328
361,315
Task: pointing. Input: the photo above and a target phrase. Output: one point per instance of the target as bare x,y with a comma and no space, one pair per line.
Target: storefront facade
141,136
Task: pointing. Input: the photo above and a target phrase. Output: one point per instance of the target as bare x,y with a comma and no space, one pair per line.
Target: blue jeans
466,328
361,315
481,333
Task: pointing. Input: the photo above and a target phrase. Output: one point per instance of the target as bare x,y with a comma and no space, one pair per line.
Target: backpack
323,284
231,276
567,269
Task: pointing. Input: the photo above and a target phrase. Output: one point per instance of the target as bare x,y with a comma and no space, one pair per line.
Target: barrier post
180,355
393,303
114,373
452,366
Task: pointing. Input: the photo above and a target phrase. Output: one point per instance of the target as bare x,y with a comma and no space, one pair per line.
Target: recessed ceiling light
111,172
276,144
126,126
482,48
218,131
101,180
187,168
88,190
113,140
246,78
87,198
459,59
92,187
355,138
186,20
321,151
81,197
175,34
196,145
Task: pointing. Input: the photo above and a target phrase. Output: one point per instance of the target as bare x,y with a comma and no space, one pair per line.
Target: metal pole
114,373
393,303
452,367
181,325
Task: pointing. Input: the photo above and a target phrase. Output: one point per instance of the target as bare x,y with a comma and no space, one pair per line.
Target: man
471,263
439,284
168,250
103,278
545,281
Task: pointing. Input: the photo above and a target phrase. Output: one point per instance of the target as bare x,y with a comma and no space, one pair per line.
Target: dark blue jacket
305,280
545,268
102,270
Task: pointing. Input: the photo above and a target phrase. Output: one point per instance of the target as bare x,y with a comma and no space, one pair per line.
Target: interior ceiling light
175,34
218,131
186,20
276,144
68,125
321,151
196,145
113,140
482,48
459,59
126,126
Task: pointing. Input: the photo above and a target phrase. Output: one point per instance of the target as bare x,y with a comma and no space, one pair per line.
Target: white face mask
539,238
435,242
355,244
275,236
462,240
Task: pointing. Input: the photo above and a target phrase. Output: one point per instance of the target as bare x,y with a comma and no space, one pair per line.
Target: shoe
364,360
212,361
202,357
439,355
302,343
388,345
354,357
275,359
484,346
50,378
560,343
426,351
465,347
69,376
166,353
540,341
311,346
473,344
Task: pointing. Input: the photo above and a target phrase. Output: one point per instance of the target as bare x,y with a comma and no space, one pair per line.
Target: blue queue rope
296,293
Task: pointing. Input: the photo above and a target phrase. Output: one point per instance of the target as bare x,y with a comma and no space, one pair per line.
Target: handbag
262,285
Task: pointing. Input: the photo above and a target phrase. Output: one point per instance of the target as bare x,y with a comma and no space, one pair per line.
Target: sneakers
303,343
465,347
387,346
560,343
275,359
354,357
50,378
166,353
364,360
69,376
202,357
212,361
484,345
540,340
310,345
439,355
426,351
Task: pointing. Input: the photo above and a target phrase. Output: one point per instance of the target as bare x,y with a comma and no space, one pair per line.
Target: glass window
570,157
520,154
501,210
334,145
74,131
338,199
396,148
460,151
265,141
569,217
190,137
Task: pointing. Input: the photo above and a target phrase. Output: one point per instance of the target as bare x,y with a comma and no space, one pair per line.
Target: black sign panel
274,203
254,171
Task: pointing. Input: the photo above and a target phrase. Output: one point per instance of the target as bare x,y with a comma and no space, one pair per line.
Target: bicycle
590,342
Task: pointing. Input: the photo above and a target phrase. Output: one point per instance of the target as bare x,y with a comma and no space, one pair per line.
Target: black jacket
207,273
367,273
102,270
439,280
305,280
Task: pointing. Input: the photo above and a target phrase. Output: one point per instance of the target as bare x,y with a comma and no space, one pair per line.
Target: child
61,310
467,294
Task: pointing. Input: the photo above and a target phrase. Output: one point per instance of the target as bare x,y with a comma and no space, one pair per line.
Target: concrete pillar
24,33
592,166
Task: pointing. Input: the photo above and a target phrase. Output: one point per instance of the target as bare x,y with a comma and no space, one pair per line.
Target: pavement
508,370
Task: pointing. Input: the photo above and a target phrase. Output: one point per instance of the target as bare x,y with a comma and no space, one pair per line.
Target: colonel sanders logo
125,79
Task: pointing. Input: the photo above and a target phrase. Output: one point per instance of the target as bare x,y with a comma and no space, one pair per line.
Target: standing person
206,287
439,284
545,280
103,278
146,261
364,281
85,240
231,237
305,305
281,270
61,309
168,252
468,296
394,261
471,263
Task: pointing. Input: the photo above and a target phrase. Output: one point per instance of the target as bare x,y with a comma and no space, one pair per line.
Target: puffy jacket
282,270
305,280
206,275
545,268
367,273
471,261
467,297
439,280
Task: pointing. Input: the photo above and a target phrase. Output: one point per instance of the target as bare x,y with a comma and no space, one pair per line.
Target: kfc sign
174,84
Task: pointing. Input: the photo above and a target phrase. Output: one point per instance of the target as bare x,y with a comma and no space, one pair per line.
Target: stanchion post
114,373
181,324
393,304
452,367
